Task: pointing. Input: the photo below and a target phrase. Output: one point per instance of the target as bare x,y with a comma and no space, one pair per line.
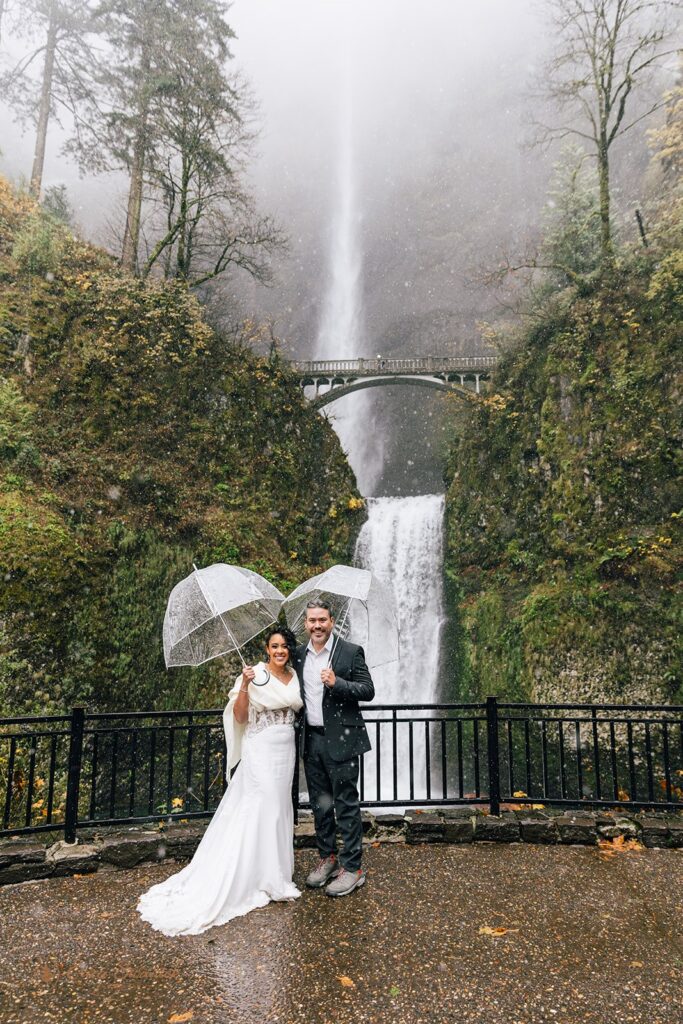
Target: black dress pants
333,791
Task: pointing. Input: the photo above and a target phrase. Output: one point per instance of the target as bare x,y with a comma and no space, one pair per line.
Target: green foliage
571,243
16,417
135,441
563,502
39,244
56,204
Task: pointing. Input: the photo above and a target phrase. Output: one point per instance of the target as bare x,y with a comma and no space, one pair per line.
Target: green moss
134,441
562,513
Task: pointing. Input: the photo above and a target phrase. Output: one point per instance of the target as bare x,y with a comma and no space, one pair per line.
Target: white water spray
402,544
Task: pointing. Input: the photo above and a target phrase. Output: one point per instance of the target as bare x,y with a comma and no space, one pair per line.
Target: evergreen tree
169,113
65,30
571,244
206,217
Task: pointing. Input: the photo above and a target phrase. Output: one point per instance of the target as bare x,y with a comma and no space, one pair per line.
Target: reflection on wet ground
572,938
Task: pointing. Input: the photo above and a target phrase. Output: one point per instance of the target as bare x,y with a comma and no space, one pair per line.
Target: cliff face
134,441
563,507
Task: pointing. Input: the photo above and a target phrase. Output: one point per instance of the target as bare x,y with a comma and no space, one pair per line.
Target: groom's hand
328,677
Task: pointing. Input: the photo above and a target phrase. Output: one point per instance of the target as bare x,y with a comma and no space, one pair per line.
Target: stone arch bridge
341,377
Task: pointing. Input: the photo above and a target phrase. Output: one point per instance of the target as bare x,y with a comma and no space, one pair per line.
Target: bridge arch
340,388
459,374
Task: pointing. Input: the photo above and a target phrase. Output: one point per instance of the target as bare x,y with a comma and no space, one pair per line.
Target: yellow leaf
519,792
636,963
346,982
180,1018
498,930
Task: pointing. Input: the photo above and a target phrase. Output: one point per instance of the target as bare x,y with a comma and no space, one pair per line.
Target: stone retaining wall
23,860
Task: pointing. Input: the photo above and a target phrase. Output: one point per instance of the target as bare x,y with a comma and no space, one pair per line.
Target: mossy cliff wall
134,441
564,501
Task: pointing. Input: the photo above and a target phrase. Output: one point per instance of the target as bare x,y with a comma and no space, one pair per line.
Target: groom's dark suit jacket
345,732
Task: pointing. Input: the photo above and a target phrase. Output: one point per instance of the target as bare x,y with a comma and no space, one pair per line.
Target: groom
334,737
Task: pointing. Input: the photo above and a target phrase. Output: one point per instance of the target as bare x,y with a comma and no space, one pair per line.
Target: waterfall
402,540
341,329
402,544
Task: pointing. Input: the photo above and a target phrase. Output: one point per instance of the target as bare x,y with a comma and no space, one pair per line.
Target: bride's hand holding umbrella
241,708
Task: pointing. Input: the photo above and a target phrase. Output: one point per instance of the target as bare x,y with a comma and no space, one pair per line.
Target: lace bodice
259,720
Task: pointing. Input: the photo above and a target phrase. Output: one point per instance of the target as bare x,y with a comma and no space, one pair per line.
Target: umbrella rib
217,614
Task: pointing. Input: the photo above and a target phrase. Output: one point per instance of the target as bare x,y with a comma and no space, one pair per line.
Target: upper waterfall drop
341,329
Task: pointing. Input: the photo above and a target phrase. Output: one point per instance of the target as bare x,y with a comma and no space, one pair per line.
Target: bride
246,857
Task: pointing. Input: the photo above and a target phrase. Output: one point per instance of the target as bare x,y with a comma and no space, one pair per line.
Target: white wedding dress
246,856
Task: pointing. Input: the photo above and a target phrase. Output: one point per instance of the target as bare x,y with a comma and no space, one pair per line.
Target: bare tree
607,52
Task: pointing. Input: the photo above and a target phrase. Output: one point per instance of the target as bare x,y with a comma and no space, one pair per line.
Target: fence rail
81,770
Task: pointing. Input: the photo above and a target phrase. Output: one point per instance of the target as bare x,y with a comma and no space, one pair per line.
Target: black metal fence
81,770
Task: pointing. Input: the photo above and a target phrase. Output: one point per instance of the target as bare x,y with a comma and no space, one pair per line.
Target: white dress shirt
313,684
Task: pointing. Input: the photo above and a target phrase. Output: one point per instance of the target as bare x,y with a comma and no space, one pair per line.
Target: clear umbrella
217,610
361,606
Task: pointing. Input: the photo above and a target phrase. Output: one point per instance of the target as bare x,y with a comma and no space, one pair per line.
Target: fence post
492,752
74,777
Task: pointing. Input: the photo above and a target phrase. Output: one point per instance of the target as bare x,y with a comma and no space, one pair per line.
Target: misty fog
441,98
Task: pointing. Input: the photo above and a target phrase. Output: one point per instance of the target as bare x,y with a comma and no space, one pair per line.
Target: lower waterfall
402,544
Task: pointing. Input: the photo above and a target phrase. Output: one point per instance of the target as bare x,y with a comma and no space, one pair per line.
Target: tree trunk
131,235
45,101
603,178
182,260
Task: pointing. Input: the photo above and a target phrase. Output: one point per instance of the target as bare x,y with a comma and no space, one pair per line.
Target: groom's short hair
317,602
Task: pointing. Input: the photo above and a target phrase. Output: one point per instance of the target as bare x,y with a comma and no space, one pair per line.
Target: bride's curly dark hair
286,635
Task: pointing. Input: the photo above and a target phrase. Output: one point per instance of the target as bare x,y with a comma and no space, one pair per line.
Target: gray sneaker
346,882
326,868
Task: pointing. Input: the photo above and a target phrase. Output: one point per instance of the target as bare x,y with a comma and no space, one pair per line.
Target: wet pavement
589,938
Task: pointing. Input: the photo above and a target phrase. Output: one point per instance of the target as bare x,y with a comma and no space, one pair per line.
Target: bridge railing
366,367
81,770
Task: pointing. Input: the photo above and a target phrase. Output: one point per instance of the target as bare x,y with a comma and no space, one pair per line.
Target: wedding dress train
246,857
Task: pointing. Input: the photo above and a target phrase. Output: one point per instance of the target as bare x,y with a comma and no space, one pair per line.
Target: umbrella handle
336,636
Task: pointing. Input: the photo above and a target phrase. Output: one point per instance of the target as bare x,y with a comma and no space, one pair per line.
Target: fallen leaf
346,982
180,1018
45,974
519,792
375,845
636,963
498,930
610,847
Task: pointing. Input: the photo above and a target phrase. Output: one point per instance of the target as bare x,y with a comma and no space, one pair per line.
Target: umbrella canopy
362,607
216,610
